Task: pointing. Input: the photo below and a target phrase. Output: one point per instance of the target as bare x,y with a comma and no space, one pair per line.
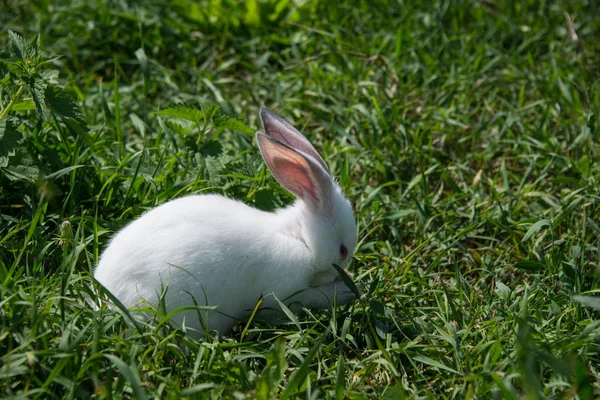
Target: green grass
465,133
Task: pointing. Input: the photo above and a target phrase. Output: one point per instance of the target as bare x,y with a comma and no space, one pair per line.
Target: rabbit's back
197,245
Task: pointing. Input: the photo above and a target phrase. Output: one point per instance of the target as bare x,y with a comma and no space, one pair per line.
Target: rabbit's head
326,222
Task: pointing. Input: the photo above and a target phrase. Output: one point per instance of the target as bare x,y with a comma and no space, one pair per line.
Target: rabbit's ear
297,172
279,129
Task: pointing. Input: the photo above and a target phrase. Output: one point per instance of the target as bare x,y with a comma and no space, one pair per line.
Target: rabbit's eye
343,251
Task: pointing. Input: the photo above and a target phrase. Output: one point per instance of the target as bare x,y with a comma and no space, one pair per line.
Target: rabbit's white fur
227,254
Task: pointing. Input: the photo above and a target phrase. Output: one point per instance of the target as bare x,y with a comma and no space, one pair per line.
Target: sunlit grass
464,133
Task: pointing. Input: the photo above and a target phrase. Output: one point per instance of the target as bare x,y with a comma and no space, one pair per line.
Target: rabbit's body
213,251
252,246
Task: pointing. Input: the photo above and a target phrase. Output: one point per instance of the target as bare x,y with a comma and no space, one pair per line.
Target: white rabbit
224,253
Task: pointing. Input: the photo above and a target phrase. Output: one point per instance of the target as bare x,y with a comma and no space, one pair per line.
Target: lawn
465,134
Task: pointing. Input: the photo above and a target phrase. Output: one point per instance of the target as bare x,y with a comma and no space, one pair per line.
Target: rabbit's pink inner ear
295,177
277,128
291,169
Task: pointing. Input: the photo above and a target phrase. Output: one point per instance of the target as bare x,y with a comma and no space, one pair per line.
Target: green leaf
529,265
299,375
536,227
399,214
37,89
10,139
4,76
18,47
21,173
584,165
176,128
130,374
347,280
589,301
252,16
22,167
507,392
188,113
289,313
62,105
23,105
201,387
63,171
565,90
280,6
35,46
65,109
435,364
265,199
502,289
340,384
213,169
140,54
375,192
240,170
223,120
138,124
274,371
206,113
211,148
